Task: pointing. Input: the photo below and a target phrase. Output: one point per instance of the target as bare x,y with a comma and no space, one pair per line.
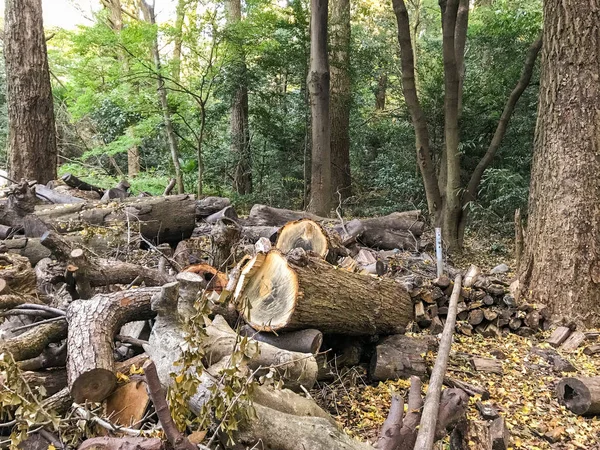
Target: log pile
280,295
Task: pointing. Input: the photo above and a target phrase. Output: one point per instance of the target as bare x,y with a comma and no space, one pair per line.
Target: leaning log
161,219
299,291
581,395
92,326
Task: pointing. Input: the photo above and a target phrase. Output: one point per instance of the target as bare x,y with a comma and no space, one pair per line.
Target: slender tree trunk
240,131
340,100
414,35
115,22
409,88
452,209
31,127
200,156
148,12
179,19
381,93
561,264
318,86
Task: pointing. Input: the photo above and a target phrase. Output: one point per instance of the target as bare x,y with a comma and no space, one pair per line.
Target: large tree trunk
240,131
148,12
32,133
340,99
561,265
301,291
318,86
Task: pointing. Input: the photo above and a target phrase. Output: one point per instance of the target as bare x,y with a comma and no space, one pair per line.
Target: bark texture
240,131
339,56
318,86
32,132
561,265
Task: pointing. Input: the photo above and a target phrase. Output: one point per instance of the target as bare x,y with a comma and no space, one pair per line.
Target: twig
55,311
90,416
41,322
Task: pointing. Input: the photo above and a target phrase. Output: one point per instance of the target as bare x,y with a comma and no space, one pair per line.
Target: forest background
108,115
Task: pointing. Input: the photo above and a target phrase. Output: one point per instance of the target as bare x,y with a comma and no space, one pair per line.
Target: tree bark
179,19
301,291
92,326
409,88
318,86
240,131
148,12
561,264
340,100
31,127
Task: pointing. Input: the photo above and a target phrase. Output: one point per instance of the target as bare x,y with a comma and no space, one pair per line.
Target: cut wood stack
485,306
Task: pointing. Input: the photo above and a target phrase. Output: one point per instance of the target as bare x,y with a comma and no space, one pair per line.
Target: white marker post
438,252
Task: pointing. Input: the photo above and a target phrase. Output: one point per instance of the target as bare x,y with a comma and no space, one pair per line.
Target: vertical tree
115,22
561,265
446,198
340,99
179,19
32,132
240,131
148,11
318,88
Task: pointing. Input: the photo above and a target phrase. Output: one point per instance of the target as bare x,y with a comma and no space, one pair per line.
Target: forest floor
524,394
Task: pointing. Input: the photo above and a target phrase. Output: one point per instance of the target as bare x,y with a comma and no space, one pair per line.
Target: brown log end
303,233
580,395
94,385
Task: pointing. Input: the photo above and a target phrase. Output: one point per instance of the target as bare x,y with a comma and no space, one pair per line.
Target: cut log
51,196
269,216
32,342
486,365
303,341
399,356
499,434
225,235
471,276
305,234
476,316
92,326
302,291
74,182
210,205
226,213
592,350
163,219
581,395
573,342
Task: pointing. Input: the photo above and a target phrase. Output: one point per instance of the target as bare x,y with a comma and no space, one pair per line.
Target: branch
515,95
434,199
427,427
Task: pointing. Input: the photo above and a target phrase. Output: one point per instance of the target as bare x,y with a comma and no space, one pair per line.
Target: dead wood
225,235
32,342
92,326
581,395
52,196
74,182
126,443
277,217
302,291
210,205
427,427
302,341
51,380
51,356
399,356
226,213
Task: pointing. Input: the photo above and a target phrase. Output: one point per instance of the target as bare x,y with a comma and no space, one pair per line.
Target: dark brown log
399,356
226,213
52,356
573,342
92,326
469,388
303,341
515,323
74,182
389,435
313,294
499,434
592,349
581,395
210,205
32,342
122,443
51,380
476,317
161,219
